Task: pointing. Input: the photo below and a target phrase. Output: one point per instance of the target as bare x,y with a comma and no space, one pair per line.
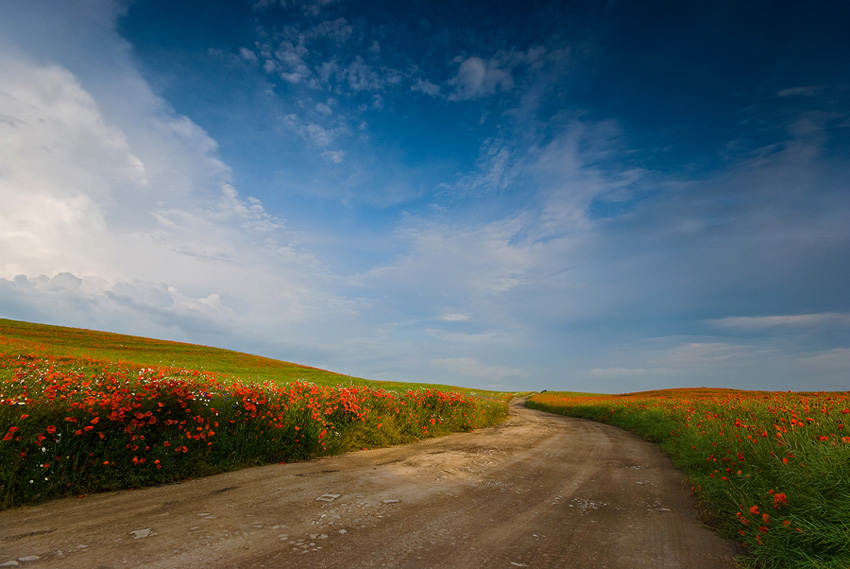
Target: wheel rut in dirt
537,491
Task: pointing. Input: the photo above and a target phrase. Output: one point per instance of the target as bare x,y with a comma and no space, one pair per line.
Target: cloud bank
338,198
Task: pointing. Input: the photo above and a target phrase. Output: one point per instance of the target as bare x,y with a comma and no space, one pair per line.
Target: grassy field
773,468
87,411
89,344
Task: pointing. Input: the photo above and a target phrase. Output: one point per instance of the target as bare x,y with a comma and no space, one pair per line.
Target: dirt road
538,491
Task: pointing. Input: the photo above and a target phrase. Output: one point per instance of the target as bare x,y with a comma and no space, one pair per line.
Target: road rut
537,491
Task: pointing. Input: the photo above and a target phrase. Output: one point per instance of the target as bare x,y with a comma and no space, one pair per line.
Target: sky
569,195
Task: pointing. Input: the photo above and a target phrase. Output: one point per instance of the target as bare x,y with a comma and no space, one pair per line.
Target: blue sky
549,195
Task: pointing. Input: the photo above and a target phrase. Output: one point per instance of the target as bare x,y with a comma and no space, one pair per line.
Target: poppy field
76,425
772,468
44,339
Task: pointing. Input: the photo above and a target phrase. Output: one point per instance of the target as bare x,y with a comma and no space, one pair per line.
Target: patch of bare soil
538,491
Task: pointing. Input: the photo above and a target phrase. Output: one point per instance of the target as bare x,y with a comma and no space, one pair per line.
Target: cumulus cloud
122,216
62,167
290,58
119,215
155,309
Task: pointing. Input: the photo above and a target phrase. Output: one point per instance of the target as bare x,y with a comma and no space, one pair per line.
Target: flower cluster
76,425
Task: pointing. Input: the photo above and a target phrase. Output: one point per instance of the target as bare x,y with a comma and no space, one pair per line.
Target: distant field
85,411
573,394
63,341
773,468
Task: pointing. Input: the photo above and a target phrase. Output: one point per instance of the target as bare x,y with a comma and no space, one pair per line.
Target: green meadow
91,344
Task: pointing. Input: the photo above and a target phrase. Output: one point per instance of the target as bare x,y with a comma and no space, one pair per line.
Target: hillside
76,342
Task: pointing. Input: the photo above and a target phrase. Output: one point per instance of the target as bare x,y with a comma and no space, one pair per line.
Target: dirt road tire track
538,491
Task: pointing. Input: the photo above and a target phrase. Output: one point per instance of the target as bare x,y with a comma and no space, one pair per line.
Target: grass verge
774,468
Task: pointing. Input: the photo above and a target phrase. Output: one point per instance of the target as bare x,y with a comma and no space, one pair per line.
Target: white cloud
522,72
710,354
117,214
308,7
61,166
481,339
804,91
834,363
315,133
123,217
467,367
248,55
476,78
447,261
455,317
311,7
319,135
324,109
682,361
524,270
155,309
333,156
250,214
328,70
290,57
795,320
620,372
361,77
339,30
425,86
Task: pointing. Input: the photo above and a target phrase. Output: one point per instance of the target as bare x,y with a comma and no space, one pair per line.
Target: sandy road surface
538,491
